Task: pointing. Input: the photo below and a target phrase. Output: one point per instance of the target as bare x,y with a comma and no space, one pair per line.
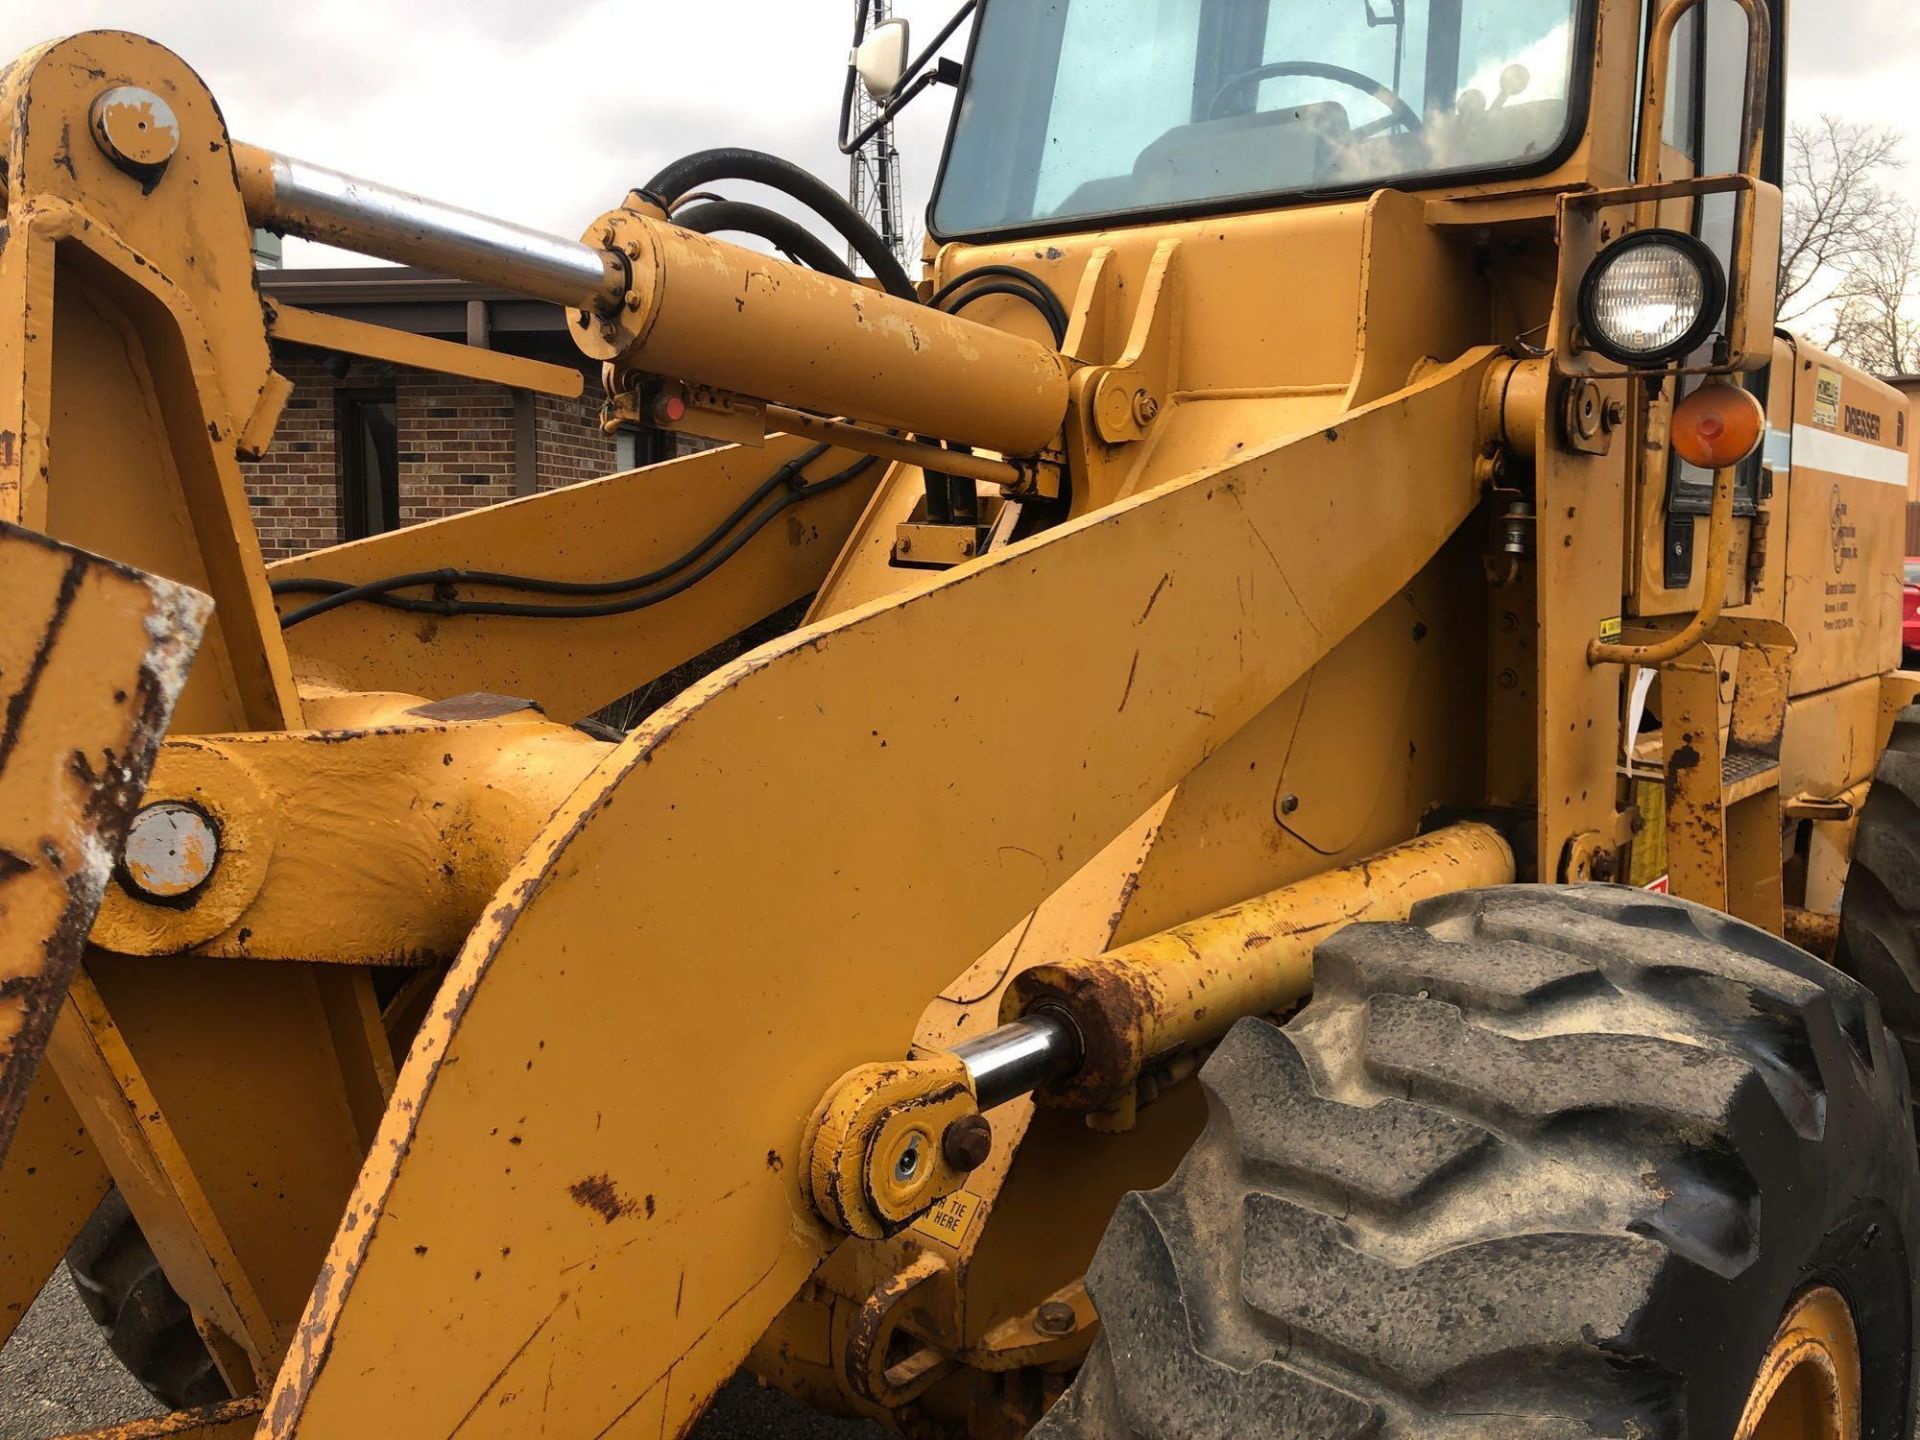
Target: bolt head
172,849
1289,803
967,1143
1055,1317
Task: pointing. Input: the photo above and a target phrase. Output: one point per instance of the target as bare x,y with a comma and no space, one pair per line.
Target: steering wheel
1402,111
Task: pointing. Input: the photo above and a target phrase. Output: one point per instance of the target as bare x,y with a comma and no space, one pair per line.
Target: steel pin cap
967,1142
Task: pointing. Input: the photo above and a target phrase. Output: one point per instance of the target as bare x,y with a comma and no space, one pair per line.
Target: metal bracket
876,1146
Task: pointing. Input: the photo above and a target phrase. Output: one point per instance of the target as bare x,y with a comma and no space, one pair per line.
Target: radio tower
873,181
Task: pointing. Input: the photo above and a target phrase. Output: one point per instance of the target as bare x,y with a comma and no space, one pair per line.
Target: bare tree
1875,325
1838,211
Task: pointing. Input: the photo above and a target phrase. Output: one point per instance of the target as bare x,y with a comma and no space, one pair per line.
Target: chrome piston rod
296,197
1020,1056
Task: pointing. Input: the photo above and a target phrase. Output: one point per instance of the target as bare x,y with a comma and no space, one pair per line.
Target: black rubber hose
786,234
376,592
1043,294
734,163
787,474
653,597
342,592
1057,328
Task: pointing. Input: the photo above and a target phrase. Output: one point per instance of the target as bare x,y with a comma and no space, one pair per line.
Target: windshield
1077,108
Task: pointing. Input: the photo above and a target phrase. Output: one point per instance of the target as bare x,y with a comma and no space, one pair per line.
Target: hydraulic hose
955,304
380,592
734,163
1037,293
712,216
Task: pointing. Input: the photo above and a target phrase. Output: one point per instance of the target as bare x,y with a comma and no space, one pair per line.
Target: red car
1910,613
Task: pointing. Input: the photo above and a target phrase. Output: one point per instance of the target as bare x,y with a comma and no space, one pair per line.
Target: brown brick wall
567,433
455,448
295,488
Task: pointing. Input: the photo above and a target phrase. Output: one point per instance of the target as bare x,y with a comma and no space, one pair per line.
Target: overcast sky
540,111
548,112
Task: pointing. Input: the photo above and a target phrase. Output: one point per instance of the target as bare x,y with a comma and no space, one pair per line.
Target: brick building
368,445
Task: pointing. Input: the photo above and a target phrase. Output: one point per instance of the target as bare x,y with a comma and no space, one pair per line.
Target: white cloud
1860,62
547,113
541,113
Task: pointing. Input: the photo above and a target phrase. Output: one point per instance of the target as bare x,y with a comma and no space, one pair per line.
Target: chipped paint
1183,988
85,627
599,1194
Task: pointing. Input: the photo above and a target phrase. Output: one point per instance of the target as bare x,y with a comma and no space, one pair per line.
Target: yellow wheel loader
1280,802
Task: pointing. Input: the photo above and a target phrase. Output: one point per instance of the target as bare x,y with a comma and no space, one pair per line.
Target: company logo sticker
1826,398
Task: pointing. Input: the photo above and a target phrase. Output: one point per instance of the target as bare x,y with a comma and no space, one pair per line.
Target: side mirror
881,59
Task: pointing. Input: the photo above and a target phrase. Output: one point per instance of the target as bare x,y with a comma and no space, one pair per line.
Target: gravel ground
57,1374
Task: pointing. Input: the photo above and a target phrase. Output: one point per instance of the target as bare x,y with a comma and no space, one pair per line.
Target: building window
369,461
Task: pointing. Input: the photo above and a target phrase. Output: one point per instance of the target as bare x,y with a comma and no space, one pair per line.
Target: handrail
1653,102
1653,119
1713,595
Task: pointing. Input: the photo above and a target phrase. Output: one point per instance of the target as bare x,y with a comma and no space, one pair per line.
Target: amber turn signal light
1717,426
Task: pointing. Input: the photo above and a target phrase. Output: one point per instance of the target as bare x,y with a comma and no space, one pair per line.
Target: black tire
146,1323
1541,1163
1880,910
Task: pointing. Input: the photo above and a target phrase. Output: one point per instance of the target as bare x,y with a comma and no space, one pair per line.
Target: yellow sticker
1610,629
1826,398
951,1219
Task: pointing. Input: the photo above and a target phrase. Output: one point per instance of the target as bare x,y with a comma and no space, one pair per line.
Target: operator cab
1086,110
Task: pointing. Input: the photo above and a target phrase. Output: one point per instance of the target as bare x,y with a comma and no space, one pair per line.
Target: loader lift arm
607,1197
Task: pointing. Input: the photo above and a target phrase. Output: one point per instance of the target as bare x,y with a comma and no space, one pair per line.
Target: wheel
147,1325
1880,910
1540,1163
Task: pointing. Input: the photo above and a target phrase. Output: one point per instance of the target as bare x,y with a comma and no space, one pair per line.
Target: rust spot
1110,1005
1132,670
202,1421
774,1162
597,1193
1683,759
1154,598
6,448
